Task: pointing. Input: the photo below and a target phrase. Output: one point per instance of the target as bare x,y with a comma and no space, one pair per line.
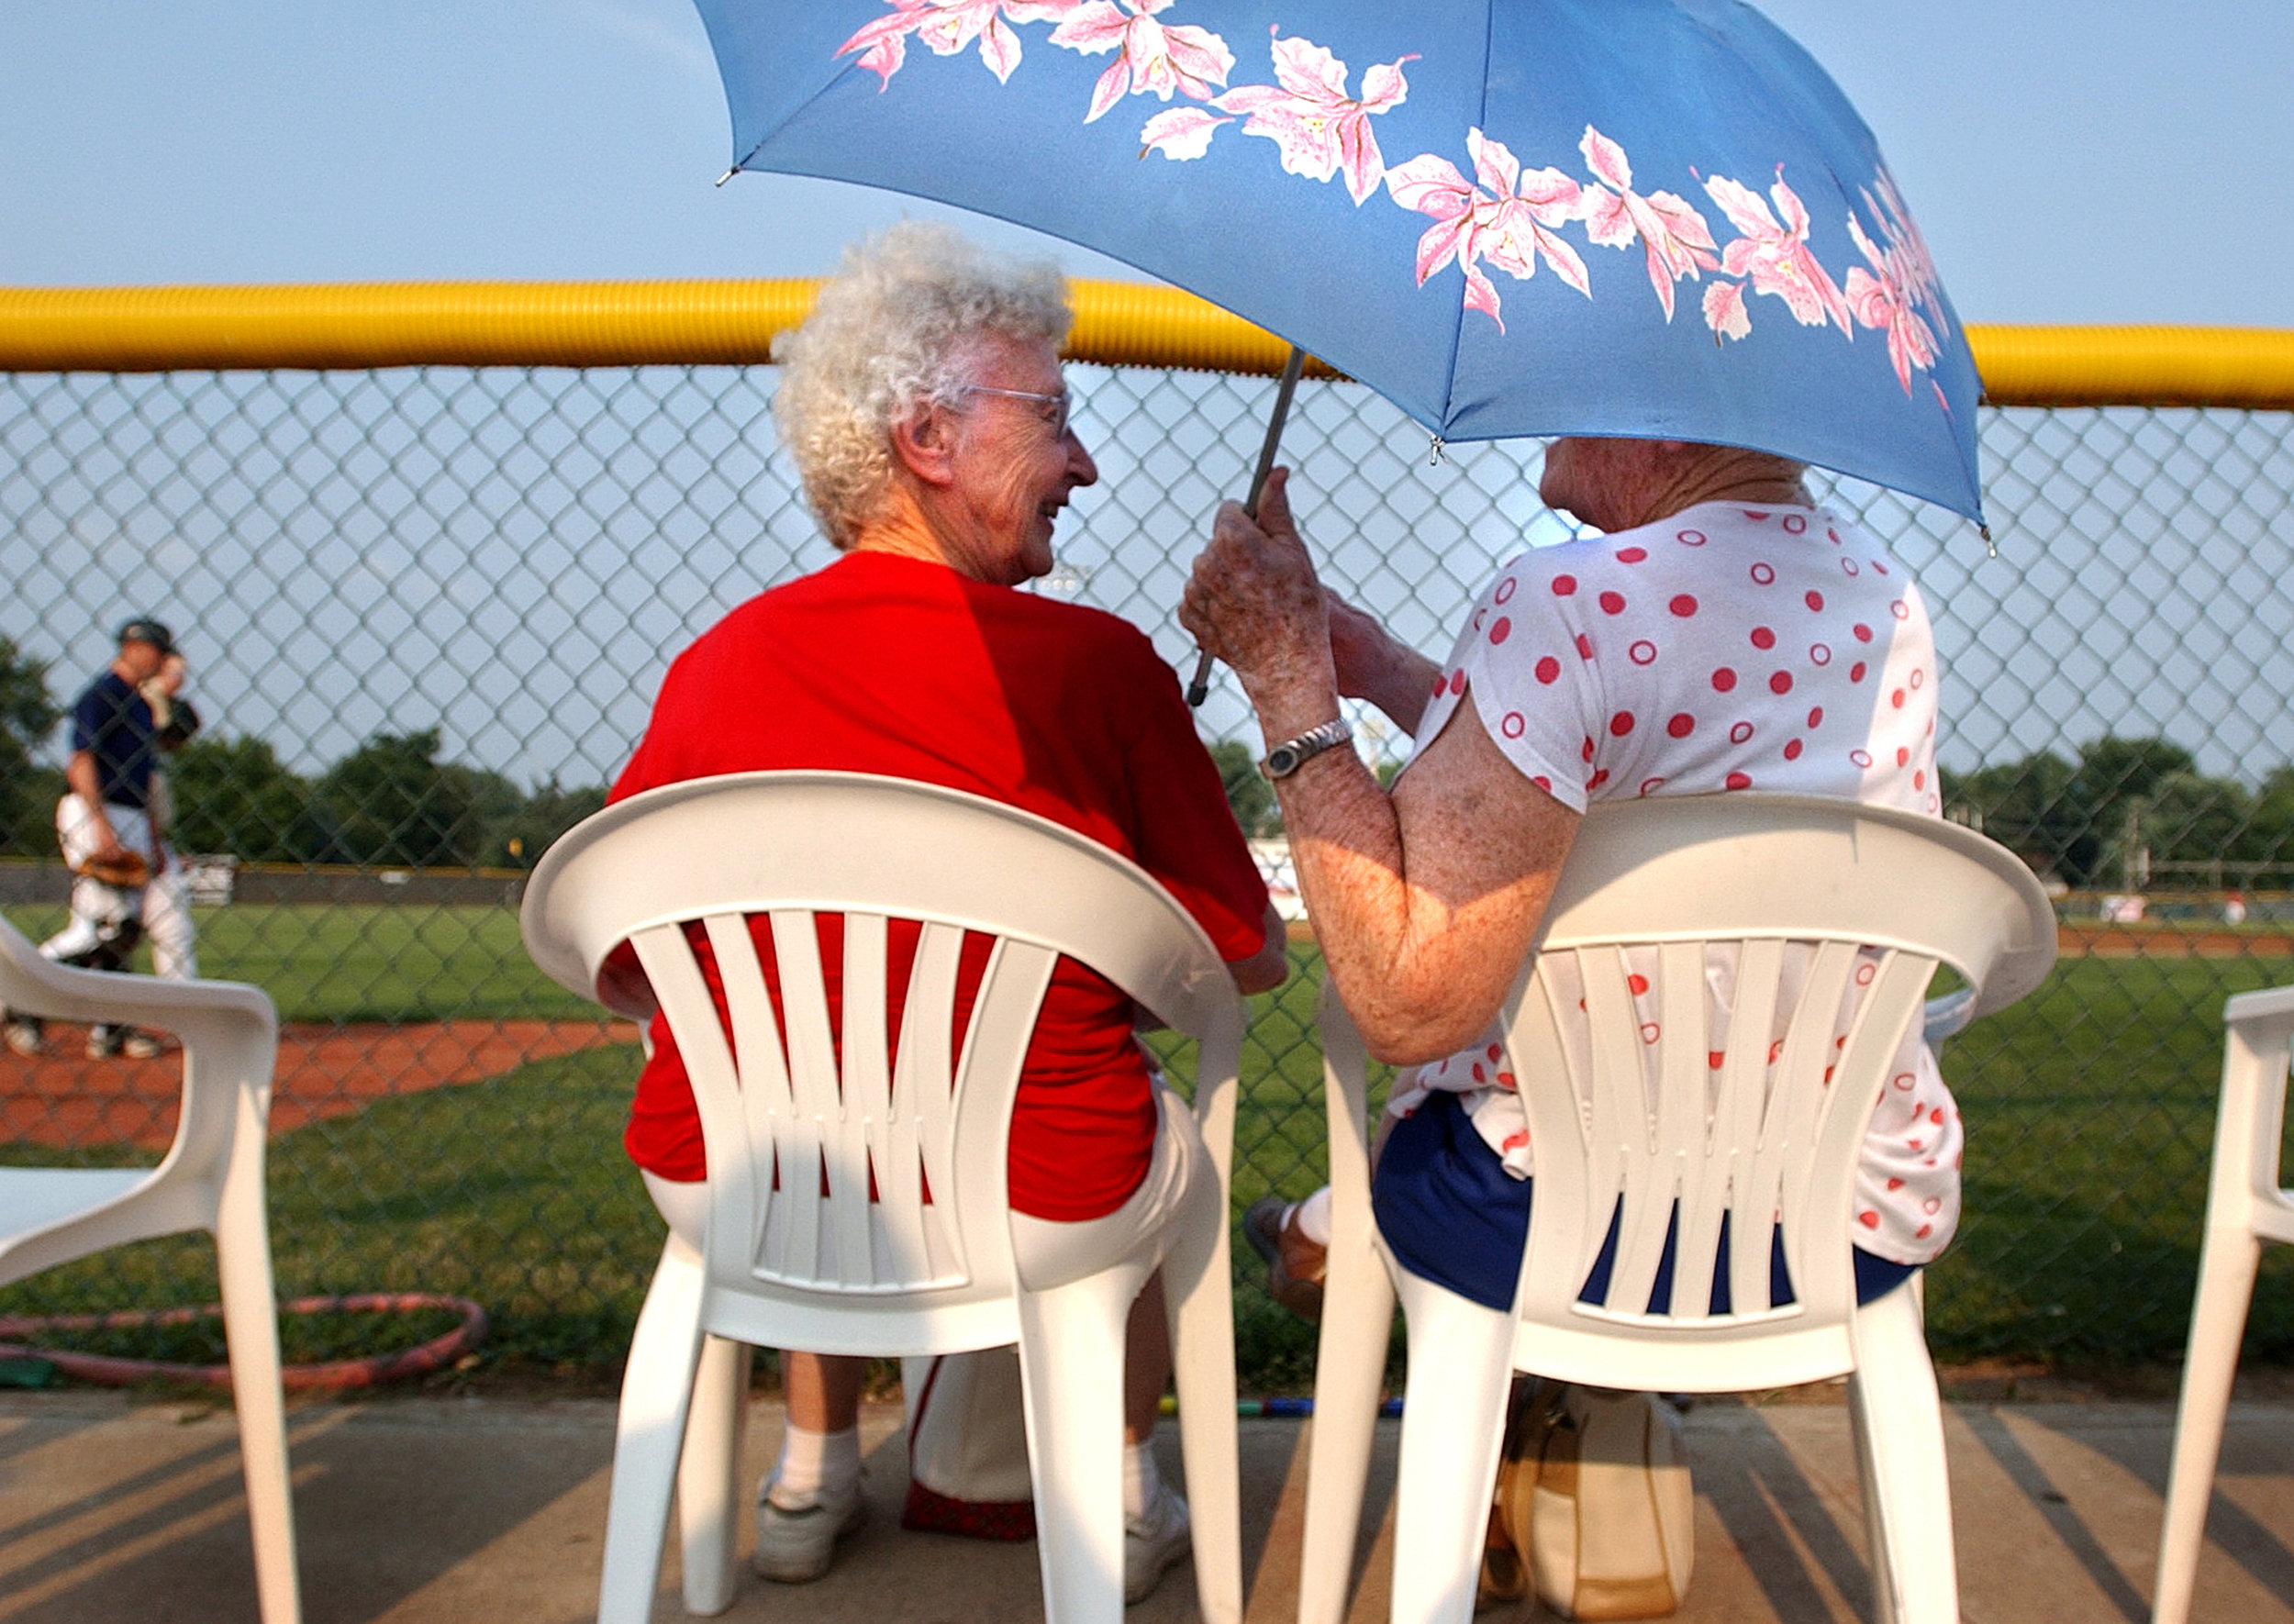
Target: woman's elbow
1266,970
1269,967
1401,1036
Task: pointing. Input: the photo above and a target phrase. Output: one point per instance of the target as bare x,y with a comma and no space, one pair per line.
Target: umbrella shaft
1199,689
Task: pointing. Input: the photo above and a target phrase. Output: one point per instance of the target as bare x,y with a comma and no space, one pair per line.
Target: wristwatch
1291,754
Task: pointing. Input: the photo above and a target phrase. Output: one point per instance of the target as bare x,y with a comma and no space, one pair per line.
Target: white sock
811,1462
1143,1481
1312,1216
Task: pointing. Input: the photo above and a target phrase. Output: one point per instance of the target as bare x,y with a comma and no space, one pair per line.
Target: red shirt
895,666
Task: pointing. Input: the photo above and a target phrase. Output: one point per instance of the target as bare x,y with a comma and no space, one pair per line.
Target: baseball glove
182,724
119,867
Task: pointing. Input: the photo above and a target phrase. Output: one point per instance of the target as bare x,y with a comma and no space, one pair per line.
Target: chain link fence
427,608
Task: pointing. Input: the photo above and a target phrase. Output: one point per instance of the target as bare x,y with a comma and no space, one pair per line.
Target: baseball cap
147,630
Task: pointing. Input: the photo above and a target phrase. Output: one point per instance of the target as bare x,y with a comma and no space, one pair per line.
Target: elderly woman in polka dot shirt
1722,633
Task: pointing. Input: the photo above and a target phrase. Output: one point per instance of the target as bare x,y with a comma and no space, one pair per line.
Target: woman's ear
923,442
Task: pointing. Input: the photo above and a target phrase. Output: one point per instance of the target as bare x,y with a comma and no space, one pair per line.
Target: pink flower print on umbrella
1308,114
947,27
1637,115
1179,134
1674,235
1885,303
1506,220
882,45
1724,311
1777,257
1908,250
1150,58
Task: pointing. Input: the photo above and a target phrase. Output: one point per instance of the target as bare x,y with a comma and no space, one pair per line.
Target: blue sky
2078,161
2069,161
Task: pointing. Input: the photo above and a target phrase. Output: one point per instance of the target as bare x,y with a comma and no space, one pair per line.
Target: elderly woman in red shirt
923,403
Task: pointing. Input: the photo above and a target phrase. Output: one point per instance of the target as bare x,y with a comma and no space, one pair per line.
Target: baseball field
448,1121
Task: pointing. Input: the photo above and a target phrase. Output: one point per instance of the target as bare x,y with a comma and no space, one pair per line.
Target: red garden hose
110,1371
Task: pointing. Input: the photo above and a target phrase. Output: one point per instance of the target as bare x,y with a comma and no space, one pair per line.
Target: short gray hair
890,332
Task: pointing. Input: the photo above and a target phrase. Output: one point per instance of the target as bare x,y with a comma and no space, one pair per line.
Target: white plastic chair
2245,1206
814,1263
211,1179
1779,1143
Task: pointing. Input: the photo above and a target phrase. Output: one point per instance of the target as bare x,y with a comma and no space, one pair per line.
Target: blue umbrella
1648,218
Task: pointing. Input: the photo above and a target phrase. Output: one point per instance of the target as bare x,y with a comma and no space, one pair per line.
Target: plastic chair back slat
928,1067
995,1047
1706,1154
916,1154
864,1095
1569,1200
761,1064
1790,1141
1681,1108
1622,1118
801,1147
682,995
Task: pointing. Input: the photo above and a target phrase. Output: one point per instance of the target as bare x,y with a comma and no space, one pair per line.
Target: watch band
1291,754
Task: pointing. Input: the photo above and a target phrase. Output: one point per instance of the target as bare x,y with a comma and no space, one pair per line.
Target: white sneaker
1153,1543
25,1035
797,1543
113,1042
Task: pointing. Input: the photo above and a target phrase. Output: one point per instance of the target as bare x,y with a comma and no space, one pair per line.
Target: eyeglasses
1060,402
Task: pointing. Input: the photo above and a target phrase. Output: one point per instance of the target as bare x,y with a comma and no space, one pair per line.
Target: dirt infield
2167,939
61,1098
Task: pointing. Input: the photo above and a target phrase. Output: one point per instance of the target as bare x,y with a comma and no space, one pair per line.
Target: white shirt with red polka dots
1771,648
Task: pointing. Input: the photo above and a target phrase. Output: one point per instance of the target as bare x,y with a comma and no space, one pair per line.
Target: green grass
2090,1111
344,962
512,1192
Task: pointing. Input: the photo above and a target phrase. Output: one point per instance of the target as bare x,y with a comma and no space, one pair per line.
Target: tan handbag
1594,1497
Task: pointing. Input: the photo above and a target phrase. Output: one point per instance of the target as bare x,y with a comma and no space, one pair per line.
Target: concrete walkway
445,1511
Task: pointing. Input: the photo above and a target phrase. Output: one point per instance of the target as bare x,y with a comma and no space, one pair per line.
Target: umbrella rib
740,163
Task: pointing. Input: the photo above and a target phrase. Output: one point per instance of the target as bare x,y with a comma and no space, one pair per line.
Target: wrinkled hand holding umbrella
1512,217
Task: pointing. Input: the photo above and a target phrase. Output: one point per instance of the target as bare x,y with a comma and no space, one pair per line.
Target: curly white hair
892,330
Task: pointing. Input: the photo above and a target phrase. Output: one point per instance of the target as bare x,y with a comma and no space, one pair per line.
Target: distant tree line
2129,812
2121,813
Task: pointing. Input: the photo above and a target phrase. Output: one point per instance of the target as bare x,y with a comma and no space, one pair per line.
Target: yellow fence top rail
360,325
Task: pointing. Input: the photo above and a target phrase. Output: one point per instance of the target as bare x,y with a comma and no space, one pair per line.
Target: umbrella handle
1199,689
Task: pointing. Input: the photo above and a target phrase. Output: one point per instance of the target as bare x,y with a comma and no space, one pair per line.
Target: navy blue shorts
1452,1214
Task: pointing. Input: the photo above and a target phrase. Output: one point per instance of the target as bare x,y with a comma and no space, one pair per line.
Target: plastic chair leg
1899,1423
648,1435
1461,1364
709,1498
1071,1345
250,1330
1349,1372
1199,1294
2218,1322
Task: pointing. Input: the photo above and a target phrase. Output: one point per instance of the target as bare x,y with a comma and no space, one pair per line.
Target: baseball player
111,841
